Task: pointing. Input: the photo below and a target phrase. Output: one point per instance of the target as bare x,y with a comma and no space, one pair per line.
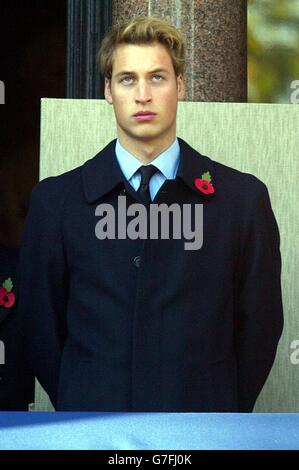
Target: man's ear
180,87
107,91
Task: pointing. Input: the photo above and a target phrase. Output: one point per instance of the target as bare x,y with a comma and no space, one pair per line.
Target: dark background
32,65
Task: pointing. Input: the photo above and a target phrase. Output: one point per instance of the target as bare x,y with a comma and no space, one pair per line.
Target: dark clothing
145,325
16,382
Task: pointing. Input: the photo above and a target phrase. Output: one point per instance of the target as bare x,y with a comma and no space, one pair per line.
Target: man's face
143,79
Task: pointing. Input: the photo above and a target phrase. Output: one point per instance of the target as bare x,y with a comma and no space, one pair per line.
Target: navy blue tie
146,171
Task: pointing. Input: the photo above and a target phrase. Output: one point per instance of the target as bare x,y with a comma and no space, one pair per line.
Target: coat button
122,192
137,261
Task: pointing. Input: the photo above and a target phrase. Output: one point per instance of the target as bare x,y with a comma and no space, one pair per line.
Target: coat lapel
6,311
8,264
192,166
101,174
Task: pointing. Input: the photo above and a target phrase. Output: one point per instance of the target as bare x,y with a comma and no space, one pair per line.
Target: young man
147,323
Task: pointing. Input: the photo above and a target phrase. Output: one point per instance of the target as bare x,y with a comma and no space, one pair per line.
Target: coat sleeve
43,289
259,313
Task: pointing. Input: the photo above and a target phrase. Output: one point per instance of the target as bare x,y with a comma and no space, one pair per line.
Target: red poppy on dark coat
7,299
204,186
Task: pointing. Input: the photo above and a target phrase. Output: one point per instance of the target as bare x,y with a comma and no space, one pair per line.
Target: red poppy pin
204,184
7,297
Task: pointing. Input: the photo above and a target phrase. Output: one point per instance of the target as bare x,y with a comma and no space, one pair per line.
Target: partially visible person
16,381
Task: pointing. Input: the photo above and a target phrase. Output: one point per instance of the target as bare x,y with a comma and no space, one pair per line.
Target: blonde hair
143,30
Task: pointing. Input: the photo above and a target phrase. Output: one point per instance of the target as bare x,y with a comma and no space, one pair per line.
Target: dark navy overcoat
16,379
144,324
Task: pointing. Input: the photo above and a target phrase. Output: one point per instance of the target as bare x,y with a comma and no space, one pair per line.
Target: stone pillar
216,38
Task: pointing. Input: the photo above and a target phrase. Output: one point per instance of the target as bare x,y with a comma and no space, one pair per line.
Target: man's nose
143,93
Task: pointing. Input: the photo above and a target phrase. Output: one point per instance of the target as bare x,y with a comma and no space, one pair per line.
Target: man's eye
126,80
129,80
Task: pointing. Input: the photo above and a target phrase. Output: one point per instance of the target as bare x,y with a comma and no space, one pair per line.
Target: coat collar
102,173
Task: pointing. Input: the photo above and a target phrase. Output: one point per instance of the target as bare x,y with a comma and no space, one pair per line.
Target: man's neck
145,152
